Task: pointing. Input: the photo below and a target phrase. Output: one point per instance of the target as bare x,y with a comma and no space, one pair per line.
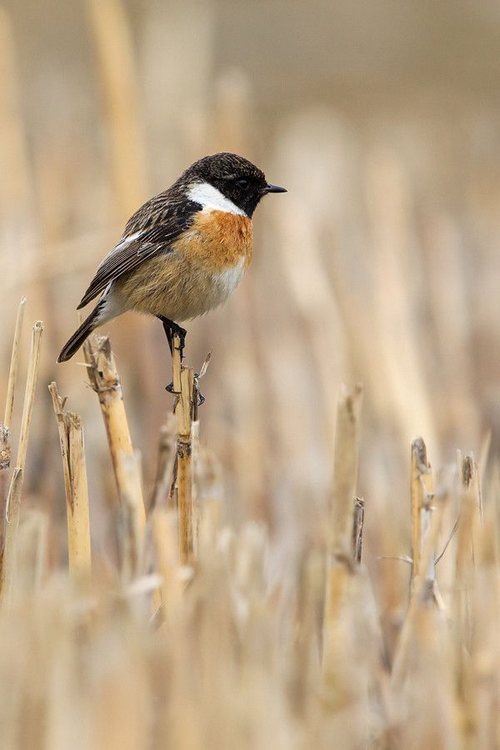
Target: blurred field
380,267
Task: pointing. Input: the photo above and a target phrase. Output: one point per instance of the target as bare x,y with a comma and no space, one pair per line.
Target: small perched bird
183,252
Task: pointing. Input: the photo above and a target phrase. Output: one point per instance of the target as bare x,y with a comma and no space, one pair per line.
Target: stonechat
183,252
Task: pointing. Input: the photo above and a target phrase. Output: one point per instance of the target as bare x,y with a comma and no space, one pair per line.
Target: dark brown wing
151,230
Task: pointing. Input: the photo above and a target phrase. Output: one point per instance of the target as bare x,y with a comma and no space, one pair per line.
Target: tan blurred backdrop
380,265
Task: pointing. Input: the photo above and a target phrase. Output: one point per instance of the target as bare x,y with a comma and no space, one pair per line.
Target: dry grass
212,578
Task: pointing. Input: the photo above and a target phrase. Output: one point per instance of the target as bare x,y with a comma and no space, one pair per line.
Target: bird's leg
170,329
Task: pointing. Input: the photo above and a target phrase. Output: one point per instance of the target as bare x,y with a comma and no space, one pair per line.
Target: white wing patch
212,199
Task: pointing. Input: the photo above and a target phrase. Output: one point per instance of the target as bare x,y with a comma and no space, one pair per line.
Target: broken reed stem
339,550
5,446
14,494
29,394
466,535
183,379
71,441
105,381
420,492
166,463
420,596
14,362
12,511
345,470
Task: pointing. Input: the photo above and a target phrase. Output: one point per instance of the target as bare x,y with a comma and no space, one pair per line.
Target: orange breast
218,240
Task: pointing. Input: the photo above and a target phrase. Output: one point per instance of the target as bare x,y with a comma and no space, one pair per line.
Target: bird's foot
181,333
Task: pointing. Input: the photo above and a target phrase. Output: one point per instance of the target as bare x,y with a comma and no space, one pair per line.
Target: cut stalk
15,488
183,379
166,464
421,593
29,395
71,441
14,362
339,558
420,491
105,381
12,512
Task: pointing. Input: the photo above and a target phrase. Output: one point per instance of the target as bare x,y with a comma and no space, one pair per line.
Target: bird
183,252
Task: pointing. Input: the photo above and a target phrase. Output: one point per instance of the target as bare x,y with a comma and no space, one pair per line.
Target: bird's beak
275,189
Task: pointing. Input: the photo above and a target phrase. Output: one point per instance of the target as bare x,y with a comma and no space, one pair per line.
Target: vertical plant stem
339,542
419,598
15,488
105,381
12,511
14,362
29,395
166,463
71,441
420,489
183,378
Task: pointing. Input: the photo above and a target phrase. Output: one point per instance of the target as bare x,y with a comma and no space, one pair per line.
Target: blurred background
379,266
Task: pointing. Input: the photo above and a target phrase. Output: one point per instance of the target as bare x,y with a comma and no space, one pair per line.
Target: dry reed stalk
339,542
465,574
14,363
115,56
29,395
71,442
420,595
166,463
5,447
420,493
183,384
105,381
345,470
14,494
12,513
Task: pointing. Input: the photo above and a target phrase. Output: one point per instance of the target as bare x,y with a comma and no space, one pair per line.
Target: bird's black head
236,178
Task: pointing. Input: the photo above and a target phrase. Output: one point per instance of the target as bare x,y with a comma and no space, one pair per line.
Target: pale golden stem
166,463
420,494
29,395
183,379
71,442
14,362
421,593
345,470
105,381
12,511
339,558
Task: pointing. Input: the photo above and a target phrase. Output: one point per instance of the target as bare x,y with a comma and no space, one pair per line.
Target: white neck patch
212,199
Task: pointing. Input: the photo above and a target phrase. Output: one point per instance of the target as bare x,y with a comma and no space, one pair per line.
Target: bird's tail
79,336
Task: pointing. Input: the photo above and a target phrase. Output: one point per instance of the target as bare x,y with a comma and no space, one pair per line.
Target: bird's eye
242,183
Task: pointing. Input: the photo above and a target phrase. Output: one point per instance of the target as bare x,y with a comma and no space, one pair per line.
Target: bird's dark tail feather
79,336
